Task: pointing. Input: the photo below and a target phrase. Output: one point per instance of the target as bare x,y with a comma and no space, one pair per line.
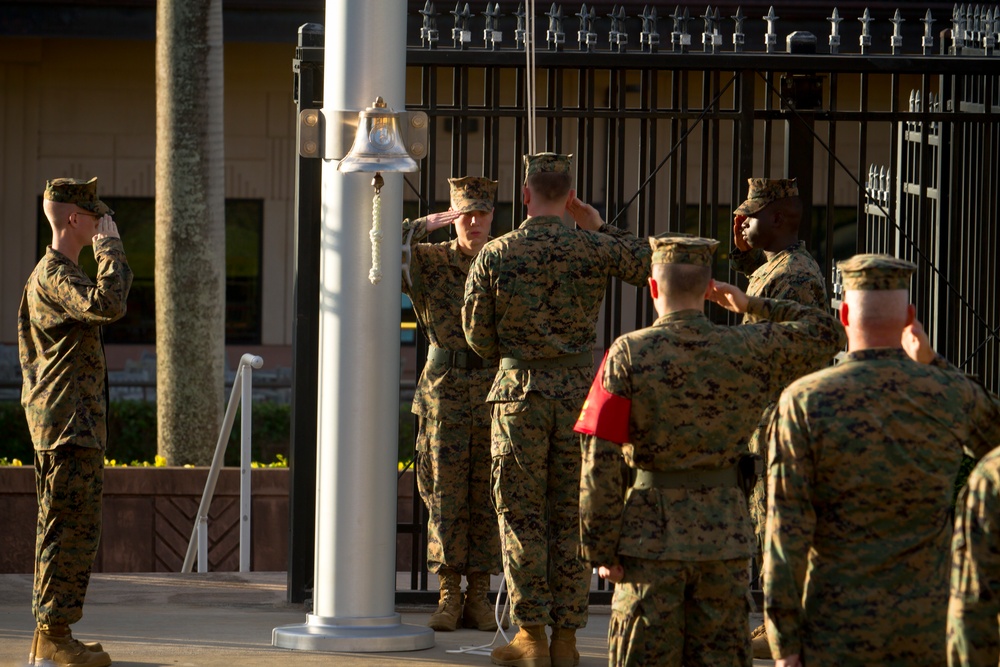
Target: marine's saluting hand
728,296
106,229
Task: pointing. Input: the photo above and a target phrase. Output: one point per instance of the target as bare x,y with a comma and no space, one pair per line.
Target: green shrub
132,433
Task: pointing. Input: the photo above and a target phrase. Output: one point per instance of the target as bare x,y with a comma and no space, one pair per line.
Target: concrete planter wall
149,514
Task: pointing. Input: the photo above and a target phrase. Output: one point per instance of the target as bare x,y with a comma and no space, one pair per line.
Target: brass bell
378,145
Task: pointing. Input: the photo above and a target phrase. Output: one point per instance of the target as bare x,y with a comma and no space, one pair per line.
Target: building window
135,217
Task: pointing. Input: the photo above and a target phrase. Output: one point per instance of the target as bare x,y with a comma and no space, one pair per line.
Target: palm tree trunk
190,229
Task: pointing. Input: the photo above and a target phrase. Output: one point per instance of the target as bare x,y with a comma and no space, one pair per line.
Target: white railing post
198,543
247,363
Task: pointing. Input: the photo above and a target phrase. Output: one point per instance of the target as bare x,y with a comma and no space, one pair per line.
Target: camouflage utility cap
876,272
763,191
677,249
472,193
77,191
546,162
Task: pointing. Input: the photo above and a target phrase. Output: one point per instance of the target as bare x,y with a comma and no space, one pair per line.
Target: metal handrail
241,393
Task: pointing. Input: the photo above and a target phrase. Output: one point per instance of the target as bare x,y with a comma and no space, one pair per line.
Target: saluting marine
862,459
768,251
532,301
676,400
453,443
64,394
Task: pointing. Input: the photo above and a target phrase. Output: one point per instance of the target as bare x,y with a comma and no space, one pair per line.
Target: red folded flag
604,414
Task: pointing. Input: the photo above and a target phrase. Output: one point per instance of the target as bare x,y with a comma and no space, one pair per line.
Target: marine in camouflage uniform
778,266
974,607
863,460
676,400
532,300
64,394
453,443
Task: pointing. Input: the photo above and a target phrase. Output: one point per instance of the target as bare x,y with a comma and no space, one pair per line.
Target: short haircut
877,309
550,185
682,279
57,212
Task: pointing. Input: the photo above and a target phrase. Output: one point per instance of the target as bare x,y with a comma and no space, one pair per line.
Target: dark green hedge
132,435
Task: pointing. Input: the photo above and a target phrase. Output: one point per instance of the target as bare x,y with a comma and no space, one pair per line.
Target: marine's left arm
974,605
790,527
479,310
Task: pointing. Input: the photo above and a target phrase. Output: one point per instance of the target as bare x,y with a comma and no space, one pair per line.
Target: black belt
455,358
579,360
686,479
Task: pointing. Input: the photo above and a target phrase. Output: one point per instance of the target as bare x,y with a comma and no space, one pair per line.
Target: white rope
375,274
529,49
499,612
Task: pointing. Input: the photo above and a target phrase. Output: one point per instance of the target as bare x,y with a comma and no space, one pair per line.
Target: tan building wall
84,108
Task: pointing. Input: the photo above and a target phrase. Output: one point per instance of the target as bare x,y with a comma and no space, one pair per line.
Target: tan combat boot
449,610
478,612
562,650
529,648
55,646
758,643
91,646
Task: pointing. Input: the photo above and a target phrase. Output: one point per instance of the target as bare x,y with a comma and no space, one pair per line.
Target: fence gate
669,115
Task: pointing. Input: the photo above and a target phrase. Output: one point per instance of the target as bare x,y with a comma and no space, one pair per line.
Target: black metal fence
668,126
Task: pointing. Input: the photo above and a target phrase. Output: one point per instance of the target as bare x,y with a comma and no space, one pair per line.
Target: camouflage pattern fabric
76,191
472,193
692,250
536,468
674,613
763,191
453,459
453,477
876,272
531,294
60,346
547,162
69,481
863,458
974,607
792,274
677,373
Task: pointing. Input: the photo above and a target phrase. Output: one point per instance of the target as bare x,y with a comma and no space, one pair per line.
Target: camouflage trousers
673,613
453,477
70,482
536,489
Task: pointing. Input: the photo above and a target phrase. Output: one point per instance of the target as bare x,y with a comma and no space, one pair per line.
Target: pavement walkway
225,619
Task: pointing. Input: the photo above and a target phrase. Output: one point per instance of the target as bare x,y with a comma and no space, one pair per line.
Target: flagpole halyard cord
529,79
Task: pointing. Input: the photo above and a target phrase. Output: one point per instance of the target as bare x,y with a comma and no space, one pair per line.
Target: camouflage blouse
792,274
437,287
536,293
696,390
61,349
862,462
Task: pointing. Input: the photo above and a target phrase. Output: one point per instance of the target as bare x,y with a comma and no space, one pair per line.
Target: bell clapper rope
375,274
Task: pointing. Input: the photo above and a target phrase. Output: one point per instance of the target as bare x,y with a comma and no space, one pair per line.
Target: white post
247,363
354,586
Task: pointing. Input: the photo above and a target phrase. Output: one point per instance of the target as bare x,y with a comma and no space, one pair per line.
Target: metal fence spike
771,37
